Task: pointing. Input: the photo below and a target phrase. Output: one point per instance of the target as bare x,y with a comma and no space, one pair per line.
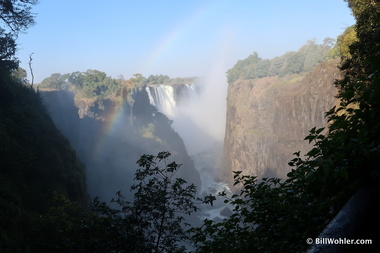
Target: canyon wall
110,137
268,118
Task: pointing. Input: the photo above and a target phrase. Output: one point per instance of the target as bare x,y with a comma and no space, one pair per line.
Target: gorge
111,123
256,155
110,140
255,125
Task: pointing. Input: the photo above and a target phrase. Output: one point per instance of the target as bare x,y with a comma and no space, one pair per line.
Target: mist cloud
200,120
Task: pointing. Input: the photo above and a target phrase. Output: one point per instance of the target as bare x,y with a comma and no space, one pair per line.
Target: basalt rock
268,119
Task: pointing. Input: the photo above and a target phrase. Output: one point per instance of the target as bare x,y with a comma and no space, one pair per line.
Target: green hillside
36,160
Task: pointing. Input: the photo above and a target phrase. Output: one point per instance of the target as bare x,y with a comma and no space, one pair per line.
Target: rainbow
173,36
117,119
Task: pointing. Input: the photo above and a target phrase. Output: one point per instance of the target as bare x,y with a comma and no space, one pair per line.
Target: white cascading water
162,97
191,87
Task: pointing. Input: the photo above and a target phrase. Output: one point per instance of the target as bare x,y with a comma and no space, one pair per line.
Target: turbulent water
208,165
186,107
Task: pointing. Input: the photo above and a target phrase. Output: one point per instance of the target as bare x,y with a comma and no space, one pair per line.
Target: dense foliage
95,83
16,17
36,160
92,83
358,6
305,59
155,221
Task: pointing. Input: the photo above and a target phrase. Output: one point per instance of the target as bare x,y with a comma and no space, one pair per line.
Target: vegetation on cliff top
301,61
305,59
96,84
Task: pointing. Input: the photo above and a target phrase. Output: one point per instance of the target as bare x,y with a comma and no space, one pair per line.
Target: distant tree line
96,84
303,60
92,83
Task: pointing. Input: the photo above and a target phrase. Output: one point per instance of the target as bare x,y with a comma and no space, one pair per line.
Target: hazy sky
179,37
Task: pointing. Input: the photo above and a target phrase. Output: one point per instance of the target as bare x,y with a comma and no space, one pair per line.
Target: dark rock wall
110,141
268,118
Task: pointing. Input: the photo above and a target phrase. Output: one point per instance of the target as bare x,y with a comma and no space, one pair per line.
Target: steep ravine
268,118
110,139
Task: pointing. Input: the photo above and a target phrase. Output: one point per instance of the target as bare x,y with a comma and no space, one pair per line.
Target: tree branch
31,70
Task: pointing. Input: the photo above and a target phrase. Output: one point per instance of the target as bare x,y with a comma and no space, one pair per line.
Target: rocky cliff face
268,118
110,137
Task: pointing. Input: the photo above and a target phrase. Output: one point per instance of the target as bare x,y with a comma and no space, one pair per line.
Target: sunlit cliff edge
268,118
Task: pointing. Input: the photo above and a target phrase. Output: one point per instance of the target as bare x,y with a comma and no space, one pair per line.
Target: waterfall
196,119
162,97
167,97
190,87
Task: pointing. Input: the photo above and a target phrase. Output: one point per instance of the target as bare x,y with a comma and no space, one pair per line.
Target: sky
179,38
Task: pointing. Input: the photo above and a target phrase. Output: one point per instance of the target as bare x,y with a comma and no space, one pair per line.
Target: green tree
36,160
345,41
89,84
243,68
7,51
305,59
261,69
20,75
294,63
138,80
76,79
358,6
355,121
275,66
161,202
92,76
269,215
55,81
315,53
153,222
70,227
15,17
